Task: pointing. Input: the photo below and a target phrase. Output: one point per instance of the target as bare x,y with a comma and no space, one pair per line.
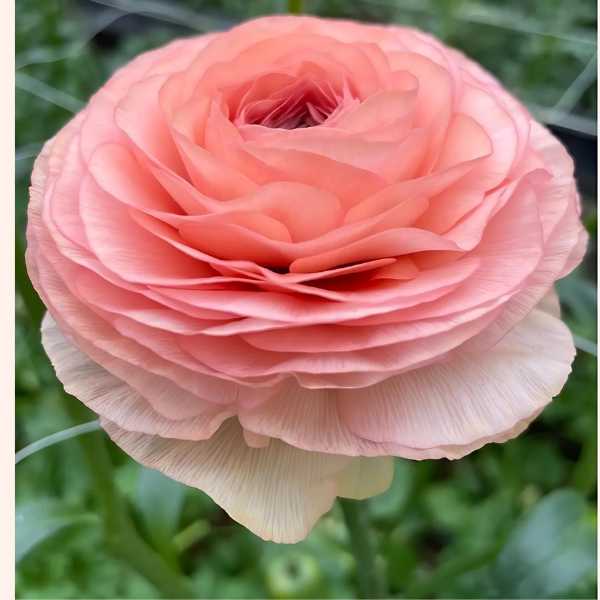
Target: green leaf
39,520
160,501
390,504
579,296
553,549
402,557
447,506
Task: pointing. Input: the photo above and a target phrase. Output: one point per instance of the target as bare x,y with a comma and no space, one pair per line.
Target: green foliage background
515,520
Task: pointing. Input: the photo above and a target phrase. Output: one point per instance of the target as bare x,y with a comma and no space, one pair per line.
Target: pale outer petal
278,492
550,303
365,477
475,396
484,411
112,398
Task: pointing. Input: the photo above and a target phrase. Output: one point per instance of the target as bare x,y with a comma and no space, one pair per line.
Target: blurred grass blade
50,54
585,345
56,438
46,92
550,552
160,500
191,535
579,296
39,520
582,82
170,13
28,151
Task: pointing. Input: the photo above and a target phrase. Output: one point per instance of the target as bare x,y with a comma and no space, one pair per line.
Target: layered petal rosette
273,258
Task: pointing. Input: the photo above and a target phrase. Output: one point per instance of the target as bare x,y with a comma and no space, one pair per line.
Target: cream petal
278,492
306,419
365,477
473,397
112,398
309,419
256,440
550,303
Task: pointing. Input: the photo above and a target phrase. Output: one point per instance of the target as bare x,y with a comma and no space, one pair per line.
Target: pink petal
113,398
475,396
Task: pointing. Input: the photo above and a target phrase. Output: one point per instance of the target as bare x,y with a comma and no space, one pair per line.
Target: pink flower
275,257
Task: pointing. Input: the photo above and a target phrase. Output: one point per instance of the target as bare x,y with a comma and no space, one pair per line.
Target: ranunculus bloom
275,257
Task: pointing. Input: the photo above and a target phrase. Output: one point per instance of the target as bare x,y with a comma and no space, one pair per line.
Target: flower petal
112,398
474,396
278,492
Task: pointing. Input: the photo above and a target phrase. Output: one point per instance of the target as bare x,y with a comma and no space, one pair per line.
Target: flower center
306,102
305,116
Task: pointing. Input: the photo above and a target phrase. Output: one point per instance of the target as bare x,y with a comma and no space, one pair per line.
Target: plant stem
120,532
295,6
121,535
369,580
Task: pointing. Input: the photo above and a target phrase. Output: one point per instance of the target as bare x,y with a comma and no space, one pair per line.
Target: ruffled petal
473,397
278,492
112,398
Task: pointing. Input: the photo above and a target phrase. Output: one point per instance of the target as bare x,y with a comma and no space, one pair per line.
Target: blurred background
516,520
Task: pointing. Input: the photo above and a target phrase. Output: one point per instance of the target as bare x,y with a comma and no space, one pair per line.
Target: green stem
121,535
120,532
295,7
369,580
